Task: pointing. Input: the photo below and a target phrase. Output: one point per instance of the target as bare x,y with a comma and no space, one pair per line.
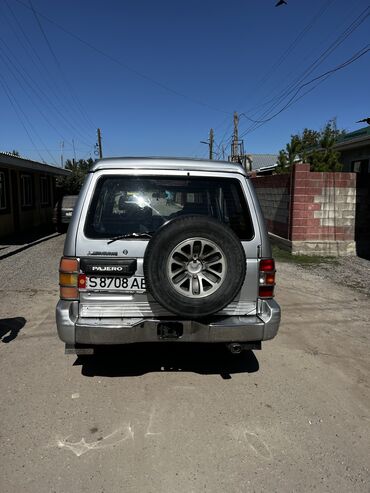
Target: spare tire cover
194,266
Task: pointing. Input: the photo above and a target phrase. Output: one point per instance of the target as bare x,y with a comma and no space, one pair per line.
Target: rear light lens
82,281
68,278
267,278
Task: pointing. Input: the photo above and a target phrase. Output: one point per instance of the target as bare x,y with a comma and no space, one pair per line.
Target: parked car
138,267
63,212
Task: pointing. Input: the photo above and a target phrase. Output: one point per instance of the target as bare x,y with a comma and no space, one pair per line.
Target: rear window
124,205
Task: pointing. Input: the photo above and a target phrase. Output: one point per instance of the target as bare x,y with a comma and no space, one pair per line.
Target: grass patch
305,260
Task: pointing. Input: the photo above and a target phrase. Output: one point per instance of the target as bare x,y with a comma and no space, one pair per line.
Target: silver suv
166,249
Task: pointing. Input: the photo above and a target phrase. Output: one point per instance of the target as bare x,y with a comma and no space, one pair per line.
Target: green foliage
313,147
71,185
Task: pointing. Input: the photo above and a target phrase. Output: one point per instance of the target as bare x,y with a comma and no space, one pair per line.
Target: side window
44,190
27,190
3,192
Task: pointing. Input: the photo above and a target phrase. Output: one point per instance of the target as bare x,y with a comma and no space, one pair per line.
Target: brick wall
315,211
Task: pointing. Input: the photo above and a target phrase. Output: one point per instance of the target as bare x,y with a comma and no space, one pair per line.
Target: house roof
263,160
350,140
27,164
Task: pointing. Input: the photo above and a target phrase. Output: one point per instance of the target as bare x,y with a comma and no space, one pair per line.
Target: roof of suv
167,163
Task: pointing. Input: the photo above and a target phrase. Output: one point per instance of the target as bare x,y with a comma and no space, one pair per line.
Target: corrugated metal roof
263,160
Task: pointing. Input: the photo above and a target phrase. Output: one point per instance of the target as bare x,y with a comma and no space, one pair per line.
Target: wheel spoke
179,277
206,255
195,285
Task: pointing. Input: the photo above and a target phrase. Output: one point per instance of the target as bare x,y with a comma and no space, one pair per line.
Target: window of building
3,198
45,190
361,166
27,192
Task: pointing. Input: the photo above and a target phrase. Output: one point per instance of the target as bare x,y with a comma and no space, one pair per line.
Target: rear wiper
145,234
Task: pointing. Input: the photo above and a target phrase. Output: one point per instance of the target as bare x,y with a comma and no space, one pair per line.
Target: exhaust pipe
235,348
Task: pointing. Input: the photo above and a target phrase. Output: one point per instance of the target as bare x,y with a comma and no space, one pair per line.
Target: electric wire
319,78
56,60
138,73
293,86
294,43
281,59
276,100
32,53
324,55
40,93
19,111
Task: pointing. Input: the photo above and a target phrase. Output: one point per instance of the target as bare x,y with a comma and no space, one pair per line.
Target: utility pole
211,141
74,150
100,149
237,147
234,149
61,153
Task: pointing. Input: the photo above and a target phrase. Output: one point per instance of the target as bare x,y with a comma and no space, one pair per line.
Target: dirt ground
292,417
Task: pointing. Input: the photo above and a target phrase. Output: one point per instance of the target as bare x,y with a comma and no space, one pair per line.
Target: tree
71,185
313,147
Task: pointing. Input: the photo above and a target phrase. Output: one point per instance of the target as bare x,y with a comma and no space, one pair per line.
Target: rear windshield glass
125,205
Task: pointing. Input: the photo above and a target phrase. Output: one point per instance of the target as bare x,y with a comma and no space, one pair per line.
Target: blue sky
172,70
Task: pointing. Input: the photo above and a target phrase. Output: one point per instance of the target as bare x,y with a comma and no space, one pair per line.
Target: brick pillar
322,211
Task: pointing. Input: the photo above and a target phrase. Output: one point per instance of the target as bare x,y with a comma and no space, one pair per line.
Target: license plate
132,284
68,214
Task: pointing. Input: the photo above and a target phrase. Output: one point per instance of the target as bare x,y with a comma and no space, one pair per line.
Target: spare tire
194,266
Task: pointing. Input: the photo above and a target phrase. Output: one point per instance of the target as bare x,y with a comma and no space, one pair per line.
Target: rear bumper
75,330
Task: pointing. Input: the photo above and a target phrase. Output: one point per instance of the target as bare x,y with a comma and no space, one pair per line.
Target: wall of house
347,157
315,212
35,216
362,222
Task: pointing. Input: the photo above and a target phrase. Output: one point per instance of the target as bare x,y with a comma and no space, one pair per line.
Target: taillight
82,281
68,278
267,278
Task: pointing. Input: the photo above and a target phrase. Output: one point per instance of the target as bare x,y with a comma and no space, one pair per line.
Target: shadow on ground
27,236
24,242
10,327
135,360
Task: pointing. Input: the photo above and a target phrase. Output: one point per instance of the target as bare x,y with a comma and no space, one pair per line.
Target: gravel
353,272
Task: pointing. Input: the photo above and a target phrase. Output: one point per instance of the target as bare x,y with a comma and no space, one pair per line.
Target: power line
294,43
125,66
321,78
18,112
292,87
282,58
43,97
319,60
32,52
80,108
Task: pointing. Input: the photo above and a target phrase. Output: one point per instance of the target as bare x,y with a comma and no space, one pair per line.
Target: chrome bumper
75,330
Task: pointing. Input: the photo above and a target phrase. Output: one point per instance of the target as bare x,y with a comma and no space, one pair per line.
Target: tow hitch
170,330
